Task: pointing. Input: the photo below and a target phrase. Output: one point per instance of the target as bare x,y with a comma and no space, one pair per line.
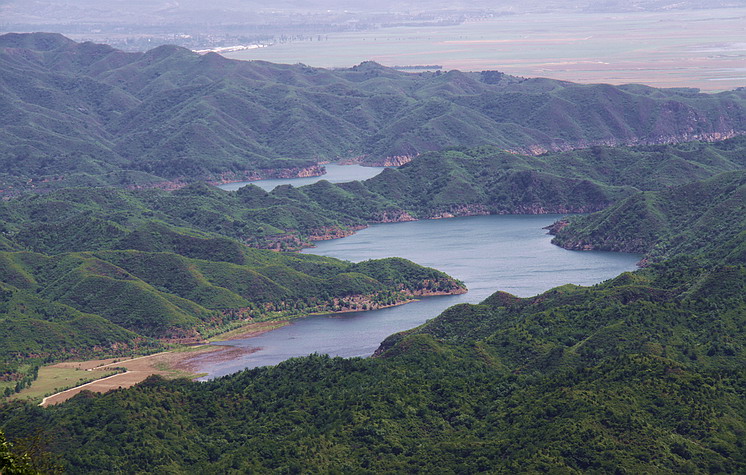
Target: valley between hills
114,244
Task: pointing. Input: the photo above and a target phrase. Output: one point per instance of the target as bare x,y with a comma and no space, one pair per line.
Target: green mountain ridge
699,218
196,220
120,301
87,114
643,373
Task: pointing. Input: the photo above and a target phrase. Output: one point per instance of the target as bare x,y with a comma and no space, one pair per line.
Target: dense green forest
89,115
119,302
105,268
13,463
100,275
706,218
643,373
448,183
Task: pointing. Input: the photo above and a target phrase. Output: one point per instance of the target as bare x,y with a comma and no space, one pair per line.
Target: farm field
704,48
138,369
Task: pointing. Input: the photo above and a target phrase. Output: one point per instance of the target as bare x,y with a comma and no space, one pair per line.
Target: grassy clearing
67,375
169,365
53,379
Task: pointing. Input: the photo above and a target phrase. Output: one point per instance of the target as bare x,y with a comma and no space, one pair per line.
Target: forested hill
706,219
98,272
641,374
454,182
125,302
88,114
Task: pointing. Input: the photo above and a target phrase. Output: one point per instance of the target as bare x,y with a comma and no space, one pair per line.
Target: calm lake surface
334,174
488,253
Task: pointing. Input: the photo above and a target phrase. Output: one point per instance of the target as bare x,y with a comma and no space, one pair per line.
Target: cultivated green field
703,48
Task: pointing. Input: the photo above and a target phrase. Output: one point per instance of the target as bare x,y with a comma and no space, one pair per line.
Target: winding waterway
488,253
334,174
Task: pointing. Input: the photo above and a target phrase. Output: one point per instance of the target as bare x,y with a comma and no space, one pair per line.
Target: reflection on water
488,253
334,174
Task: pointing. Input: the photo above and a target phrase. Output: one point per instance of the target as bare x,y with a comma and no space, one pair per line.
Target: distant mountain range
87,114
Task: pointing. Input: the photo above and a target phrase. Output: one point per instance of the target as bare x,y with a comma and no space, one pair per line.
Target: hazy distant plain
701,48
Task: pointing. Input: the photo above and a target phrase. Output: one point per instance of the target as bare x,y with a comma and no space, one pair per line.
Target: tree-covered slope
82,300
643,373
87,114
195,220
670,310
14,462
36,328
156,293
581,180
706,218
101,275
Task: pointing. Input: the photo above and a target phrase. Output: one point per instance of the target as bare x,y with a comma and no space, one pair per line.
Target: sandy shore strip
221,354
250,330
166,364
169,364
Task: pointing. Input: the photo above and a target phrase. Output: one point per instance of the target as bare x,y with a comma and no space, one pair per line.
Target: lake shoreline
176,363
499,263
332,172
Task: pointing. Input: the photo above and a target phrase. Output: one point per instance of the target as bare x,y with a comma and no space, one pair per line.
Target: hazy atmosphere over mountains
116,18
682,44
125,273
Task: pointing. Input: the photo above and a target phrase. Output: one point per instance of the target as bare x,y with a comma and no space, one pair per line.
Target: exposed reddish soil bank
267,174
250,330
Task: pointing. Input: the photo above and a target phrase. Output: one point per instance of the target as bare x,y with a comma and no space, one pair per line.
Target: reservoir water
334,174
488,253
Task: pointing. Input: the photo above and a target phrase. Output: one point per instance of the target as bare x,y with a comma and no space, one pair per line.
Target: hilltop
702,219
89,115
